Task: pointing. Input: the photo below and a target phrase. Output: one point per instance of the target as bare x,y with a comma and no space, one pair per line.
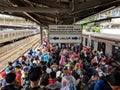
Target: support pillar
41,35
108,49
95,45
83,41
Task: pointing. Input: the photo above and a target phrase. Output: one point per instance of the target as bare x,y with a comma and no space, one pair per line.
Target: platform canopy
46,12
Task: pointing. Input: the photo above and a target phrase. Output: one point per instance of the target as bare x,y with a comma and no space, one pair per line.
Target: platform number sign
65,33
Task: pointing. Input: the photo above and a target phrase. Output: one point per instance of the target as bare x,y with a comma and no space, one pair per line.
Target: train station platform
66,58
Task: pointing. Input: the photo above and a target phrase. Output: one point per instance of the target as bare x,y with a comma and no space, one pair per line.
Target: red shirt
18,78
52,81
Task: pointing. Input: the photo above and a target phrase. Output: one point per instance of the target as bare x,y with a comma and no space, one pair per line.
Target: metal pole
41,35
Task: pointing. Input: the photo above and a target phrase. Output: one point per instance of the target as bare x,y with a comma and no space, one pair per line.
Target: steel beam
89,4
28,15
32,9
50,3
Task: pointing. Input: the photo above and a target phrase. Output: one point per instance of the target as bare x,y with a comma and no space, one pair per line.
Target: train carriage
109,43
14,34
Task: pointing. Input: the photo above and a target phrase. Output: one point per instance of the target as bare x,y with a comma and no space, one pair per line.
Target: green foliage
97,29
92,28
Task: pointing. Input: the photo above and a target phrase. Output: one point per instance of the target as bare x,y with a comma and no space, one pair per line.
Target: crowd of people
55,67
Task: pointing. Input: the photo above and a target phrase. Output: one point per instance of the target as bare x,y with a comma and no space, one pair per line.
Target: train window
92,44
115,48
116,52
10,35
86,41
5,35
0,36
101,46
118,58
13,34
16,33
82,39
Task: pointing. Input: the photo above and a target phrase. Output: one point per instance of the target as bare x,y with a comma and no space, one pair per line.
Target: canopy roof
45,12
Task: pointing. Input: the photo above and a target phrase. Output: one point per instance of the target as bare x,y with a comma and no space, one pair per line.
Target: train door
82,39
86,41
92,44
116,52
101,46
118,55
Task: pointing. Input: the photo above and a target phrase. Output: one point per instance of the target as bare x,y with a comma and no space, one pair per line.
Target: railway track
8,48
17,52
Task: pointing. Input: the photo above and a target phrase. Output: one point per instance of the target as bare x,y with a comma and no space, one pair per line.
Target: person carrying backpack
92,81
34,79
102,84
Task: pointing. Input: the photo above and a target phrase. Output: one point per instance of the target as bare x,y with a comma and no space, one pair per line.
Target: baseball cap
25,68
7,70
65,68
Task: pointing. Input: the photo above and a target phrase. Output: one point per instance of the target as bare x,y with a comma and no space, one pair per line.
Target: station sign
65,33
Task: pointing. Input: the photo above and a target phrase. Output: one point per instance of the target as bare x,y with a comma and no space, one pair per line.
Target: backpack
28,88
25,82
91,85
44,79
103,85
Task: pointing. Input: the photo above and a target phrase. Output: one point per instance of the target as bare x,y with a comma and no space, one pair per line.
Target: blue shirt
46,58
101,85
3,82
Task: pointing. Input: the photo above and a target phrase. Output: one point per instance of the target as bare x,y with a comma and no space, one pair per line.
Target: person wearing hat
68,81
65,70
25,79
16,63
7,70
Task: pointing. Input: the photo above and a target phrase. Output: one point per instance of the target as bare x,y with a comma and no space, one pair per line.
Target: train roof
103,36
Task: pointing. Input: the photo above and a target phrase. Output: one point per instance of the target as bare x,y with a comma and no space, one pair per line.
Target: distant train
109,43
9,35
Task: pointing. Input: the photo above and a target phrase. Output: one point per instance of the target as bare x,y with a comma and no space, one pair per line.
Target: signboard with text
65,33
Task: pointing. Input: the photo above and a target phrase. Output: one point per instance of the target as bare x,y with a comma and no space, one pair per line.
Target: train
108,43
9,35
